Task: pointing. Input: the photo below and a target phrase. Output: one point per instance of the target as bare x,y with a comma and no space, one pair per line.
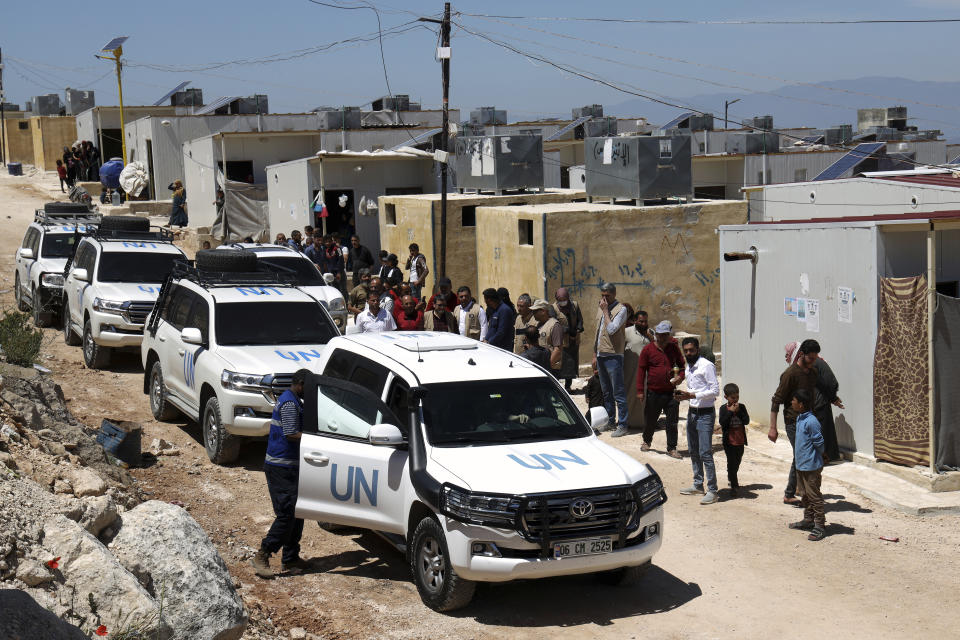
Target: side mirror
329,278
26,254
191,335
81,275
385,435
598,417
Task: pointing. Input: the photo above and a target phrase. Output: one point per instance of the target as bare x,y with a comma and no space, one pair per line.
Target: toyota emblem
581,508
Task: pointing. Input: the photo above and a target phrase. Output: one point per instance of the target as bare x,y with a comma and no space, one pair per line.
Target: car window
370,376
344,413
35,242
339,365
200,316
399,397
58,245
87,259
178,308
26,238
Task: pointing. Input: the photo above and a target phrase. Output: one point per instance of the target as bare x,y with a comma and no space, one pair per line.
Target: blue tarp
110,173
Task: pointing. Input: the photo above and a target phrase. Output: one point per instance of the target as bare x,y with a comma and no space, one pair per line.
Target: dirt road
730,570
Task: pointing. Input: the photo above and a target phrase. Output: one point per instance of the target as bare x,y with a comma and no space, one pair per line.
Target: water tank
396,102
593,110
192,97
488,116
46,105
639,167
78,101
496,163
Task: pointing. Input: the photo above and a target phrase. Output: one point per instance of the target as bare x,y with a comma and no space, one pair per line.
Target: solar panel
423,137
955,160
170,93
216,104
115,43
676,121
857,155
812,139
562,132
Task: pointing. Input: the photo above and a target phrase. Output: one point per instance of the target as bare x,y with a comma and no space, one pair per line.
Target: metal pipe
732,256
931,309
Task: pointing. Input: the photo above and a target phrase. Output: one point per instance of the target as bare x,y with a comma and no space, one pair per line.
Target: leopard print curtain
900,378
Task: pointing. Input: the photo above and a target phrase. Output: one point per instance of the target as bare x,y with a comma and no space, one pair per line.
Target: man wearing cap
524,319
660,366
445,292
608,347
552,336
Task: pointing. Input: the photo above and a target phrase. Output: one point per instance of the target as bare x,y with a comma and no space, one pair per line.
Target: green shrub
19,339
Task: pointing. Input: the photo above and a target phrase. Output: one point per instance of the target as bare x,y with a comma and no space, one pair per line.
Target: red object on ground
890,539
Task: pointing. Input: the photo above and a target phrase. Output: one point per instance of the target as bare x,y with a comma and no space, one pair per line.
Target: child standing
593,392
808,456
733,420
62,174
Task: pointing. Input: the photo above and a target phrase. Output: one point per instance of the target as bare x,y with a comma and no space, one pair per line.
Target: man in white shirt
375,319
471,317
702,392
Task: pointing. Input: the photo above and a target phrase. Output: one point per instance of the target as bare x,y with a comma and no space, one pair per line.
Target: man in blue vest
282,466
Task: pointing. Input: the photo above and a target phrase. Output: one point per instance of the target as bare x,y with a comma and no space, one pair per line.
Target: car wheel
231,260
94,355
124,223
440,587
18,294
159,405
40,318
625,576
69,336
222,448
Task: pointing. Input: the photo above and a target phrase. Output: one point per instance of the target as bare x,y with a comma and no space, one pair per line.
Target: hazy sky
50,45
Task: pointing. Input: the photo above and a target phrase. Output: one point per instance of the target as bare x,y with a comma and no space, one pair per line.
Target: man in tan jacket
608,347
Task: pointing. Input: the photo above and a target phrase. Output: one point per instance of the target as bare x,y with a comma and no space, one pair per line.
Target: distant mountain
812,106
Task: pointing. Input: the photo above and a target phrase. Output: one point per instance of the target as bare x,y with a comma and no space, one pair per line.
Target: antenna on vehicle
419,357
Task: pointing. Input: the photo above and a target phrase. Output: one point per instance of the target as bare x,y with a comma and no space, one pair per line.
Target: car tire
625,576
440,587
18,294
69,337
226,260
160,407
95,356
125,223
40,318
222,448
65,207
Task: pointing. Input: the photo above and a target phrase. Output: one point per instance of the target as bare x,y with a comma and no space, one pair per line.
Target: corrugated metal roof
950,180
952,214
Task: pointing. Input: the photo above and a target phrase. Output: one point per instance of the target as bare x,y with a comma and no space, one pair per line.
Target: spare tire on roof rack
124,223
226,260
66,207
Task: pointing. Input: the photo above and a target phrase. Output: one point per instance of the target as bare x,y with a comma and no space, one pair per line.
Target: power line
646,95
730,70
717,22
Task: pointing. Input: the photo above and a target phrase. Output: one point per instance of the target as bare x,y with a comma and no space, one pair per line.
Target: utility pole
726,111
444,54
115,47
3,117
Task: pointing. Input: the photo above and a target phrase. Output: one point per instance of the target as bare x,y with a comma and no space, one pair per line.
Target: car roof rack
121,235
273,276
61,218
259,246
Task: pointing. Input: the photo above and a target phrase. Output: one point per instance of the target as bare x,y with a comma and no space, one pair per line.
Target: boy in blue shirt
808,456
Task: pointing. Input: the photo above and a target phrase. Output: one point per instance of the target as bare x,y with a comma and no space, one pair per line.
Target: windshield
307,274
499,411
58,245
136,267
254,323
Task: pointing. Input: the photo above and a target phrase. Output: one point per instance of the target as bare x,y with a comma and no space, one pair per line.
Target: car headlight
337,304
247,382
478,508
108,306
54,280
649,491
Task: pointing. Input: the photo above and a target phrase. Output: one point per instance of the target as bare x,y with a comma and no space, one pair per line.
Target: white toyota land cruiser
473,461
308,277
41,259
223,343
111,284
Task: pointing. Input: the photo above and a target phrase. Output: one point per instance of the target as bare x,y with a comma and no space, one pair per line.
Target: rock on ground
99,513
166,548
118,598
21,618
86,482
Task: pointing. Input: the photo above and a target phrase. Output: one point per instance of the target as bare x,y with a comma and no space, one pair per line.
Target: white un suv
223,342
473,461
47,245
111,285
308,277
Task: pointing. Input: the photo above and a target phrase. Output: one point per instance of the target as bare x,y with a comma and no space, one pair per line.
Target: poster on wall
790,307
801,309
845,305
813,315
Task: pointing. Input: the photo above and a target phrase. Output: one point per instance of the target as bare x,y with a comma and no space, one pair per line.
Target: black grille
549,516
137,312
279,383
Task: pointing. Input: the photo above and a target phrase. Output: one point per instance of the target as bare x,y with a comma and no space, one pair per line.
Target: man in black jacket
358,258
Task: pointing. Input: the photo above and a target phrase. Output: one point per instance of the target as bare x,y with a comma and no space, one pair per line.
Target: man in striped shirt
282,466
